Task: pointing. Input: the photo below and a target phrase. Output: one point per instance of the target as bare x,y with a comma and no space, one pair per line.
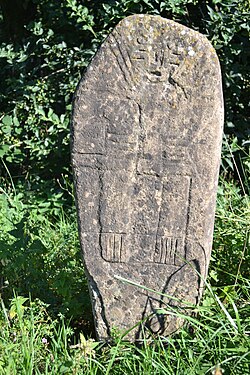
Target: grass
219,334
46,325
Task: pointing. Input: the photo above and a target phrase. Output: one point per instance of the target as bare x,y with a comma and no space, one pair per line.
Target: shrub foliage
45,46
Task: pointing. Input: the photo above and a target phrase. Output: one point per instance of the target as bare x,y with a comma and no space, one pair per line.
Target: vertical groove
165,247
105,247
110,248
99,213
159,215
166,251
113,247
170,247
176,250
120,248
141,137
162,245
188,216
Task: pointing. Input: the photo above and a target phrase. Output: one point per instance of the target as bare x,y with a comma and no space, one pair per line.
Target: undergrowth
40,260
33,343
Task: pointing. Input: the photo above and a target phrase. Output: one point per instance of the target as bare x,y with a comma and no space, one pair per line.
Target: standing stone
146,138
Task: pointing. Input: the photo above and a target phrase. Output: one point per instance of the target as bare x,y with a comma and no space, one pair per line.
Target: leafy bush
42,258
232,236
40,69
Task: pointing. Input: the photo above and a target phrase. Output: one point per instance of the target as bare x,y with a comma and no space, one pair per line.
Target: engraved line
137,58
171,248
89,153
159,247
119,62
179,243
162,250
159,215
159,252
120,248
104,248
174,82
170,243
129,57
108,247
176,249
116,247
139,140
176,53
188,213
175,64
120,66
119,47
111,232
155,257
113,248
100,207
149,174
163,58
166,252
174,78
136,54
116,244
123,58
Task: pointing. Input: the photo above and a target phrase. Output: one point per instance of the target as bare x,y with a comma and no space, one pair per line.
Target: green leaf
3,150
7,120
6,129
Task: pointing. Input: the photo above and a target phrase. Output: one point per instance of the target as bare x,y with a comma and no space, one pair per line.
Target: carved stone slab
146,138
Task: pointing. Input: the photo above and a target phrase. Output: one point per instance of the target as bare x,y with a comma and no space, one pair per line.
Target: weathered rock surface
146,138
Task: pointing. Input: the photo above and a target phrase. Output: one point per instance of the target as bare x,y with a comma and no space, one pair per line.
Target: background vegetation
45,47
